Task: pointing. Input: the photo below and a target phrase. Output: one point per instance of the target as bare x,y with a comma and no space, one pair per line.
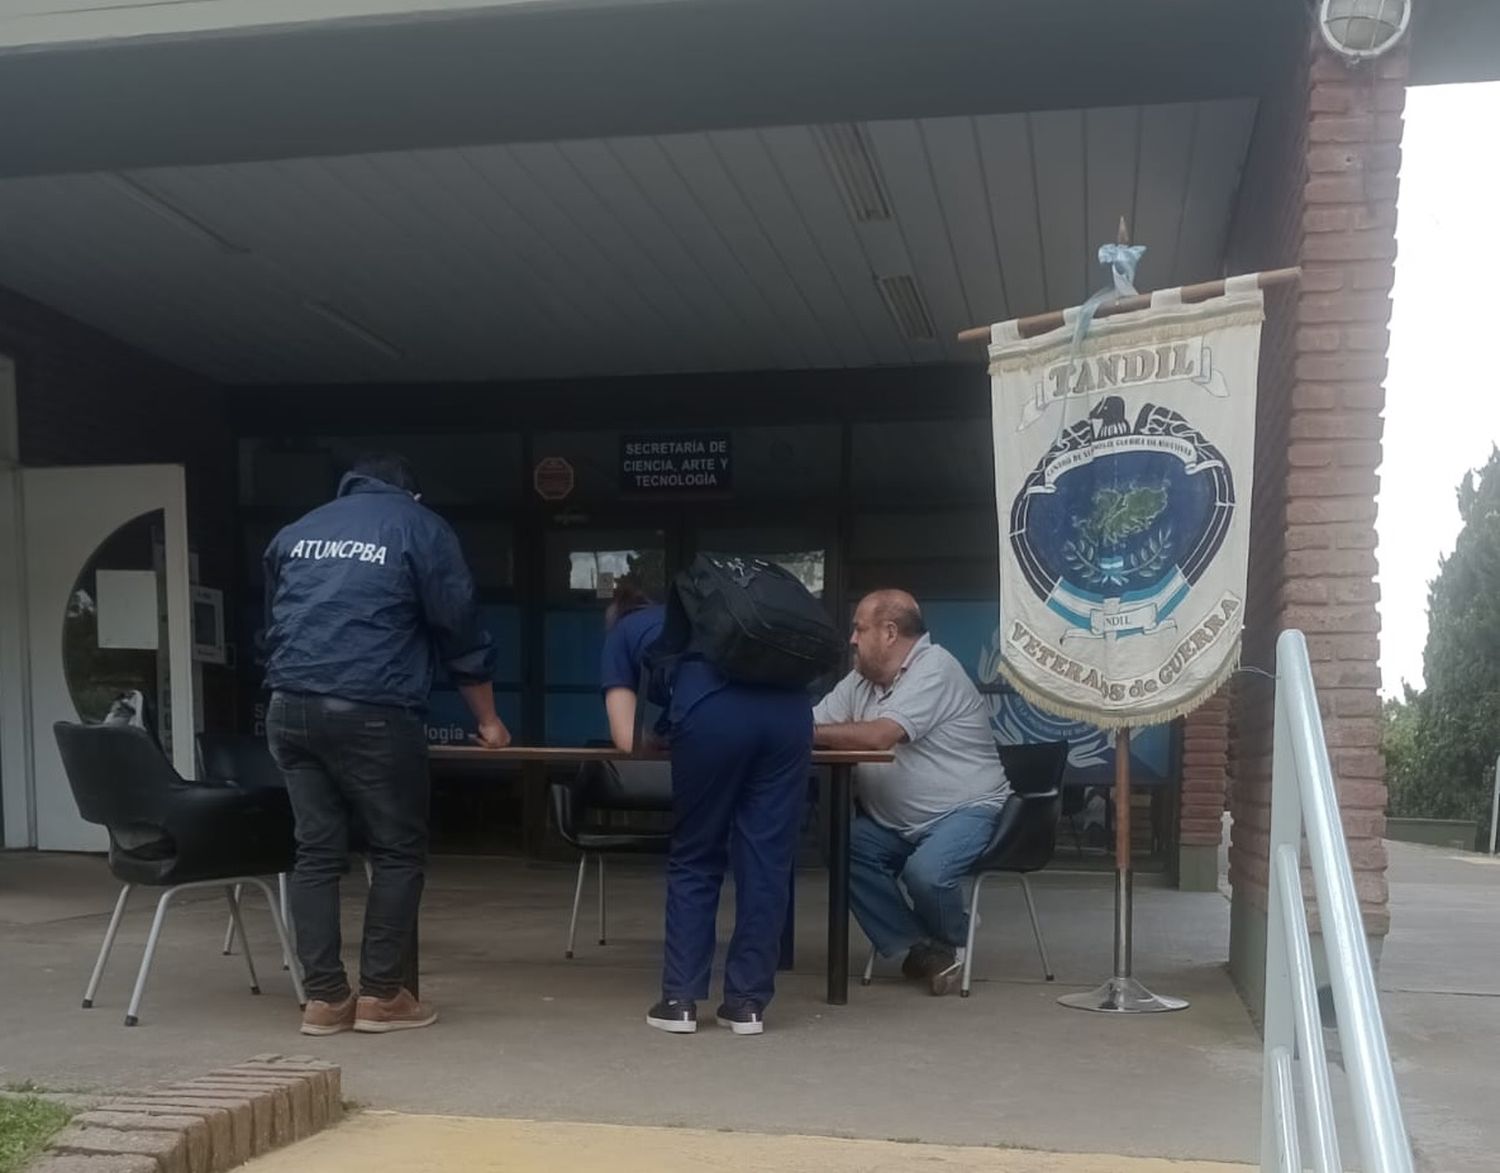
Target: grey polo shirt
948,760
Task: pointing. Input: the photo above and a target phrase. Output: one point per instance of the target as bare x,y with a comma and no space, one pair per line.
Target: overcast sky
1443,391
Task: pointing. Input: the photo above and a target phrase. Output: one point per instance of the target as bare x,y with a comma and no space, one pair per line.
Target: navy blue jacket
365,595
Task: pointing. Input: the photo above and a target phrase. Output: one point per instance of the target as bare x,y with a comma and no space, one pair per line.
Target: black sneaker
915,967
944,974
676,1016
744,1018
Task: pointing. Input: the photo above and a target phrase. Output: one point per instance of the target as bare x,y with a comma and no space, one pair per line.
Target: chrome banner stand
1122,994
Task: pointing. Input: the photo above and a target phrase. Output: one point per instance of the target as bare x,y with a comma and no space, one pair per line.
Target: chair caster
132,1020
255,990
569,955
1051,977
88,1003
864,981
963,993
602,941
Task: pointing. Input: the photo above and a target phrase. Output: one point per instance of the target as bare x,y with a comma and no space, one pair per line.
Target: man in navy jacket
365,596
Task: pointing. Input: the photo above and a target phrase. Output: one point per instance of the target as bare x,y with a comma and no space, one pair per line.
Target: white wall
15,712
47,22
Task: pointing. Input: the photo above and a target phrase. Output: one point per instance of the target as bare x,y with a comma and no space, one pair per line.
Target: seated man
927,816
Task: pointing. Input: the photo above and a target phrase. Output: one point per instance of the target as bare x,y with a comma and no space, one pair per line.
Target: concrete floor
1440,990
527,1034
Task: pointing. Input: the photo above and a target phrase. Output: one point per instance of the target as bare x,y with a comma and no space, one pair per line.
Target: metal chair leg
132,1012
229,928
583,864
283,935
602,940
369,872
1036,927
231,892
968,977
869,975
104,949
284,892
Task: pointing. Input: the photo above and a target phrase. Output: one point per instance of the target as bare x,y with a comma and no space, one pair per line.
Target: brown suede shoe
328,1018
381,1015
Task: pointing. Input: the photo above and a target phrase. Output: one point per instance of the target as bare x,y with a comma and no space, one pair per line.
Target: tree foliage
1441,744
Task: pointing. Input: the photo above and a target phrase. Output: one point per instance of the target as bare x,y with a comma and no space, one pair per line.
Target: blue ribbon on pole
1122,260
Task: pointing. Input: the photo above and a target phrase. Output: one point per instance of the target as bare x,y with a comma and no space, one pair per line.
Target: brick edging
205,1125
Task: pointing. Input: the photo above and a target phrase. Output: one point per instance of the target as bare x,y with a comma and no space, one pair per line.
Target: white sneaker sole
385,1028
672,1026
322,1031
743,1028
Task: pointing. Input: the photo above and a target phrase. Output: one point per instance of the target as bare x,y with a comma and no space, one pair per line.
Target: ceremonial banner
1122,479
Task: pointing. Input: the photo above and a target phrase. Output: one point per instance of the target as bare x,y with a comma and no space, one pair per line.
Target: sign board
669,463
553,479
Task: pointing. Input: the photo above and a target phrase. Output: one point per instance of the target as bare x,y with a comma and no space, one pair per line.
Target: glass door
583,566
108,612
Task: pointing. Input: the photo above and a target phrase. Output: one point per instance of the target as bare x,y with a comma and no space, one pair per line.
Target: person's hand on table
492,735
652,742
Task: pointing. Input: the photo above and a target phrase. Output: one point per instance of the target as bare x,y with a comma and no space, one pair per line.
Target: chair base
1123,995
967,982
583,871
232,887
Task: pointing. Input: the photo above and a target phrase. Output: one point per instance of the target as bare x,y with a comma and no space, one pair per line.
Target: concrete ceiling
554,70
706,251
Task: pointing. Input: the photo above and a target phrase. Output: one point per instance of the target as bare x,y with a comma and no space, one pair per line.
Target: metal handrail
1303,798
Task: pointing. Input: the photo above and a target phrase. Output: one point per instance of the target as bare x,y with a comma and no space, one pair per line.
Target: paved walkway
1440,989
528,1034
379,1142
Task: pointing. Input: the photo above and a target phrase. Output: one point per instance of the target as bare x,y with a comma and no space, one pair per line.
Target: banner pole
1124,905
1122,994
1203,291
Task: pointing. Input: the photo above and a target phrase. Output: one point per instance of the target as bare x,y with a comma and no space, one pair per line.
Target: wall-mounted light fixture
1363,29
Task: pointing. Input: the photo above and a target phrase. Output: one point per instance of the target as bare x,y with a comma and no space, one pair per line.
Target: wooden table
841,765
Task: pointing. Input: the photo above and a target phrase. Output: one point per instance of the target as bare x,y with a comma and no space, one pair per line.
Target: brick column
1205,762
1319,191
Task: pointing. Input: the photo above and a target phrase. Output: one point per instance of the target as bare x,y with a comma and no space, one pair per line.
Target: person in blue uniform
365,596
740,761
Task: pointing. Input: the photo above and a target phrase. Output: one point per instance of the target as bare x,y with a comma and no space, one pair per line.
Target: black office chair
245,763
1024,839
168,833
602,788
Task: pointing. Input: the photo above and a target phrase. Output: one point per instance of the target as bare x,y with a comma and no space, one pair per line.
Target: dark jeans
346,762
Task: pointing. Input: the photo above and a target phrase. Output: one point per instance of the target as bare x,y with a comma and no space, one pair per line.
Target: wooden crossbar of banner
1041,323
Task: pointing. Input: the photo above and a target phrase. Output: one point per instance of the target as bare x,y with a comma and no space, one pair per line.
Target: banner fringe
1113,720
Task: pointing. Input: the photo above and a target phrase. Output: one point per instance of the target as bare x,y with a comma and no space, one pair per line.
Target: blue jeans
931,864
740,763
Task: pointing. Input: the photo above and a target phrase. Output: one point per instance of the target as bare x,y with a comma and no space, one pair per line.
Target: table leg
840,812
789,927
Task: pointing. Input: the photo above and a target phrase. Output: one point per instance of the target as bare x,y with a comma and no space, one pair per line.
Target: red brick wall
1320,191
1205,762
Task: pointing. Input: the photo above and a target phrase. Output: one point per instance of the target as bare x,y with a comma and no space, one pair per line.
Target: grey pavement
1440,990
526,1033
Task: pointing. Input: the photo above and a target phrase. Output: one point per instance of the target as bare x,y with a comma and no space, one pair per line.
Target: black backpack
749,618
